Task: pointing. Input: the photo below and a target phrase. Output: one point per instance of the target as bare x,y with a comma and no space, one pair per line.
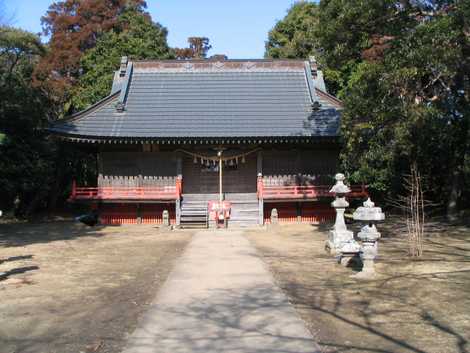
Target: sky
236,28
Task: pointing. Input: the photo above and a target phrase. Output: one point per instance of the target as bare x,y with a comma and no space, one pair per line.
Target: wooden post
179,187
259,170
219,154
74,189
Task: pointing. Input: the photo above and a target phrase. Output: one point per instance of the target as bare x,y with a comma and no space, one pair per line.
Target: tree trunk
456,172
454,194
57,182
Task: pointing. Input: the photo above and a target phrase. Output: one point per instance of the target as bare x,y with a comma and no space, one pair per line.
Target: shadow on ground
225,321
23,234
419,306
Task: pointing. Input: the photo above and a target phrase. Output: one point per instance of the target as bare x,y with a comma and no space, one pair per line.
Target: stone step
193,225
244,210
244,216
193,220
243,203
196,210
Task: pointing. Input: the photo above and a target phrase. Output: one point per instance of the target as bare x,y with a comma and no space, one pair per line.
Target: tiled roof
198,99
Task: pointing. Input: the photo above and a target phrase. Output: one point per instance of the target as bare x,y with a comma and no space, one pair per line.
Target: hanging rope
213,159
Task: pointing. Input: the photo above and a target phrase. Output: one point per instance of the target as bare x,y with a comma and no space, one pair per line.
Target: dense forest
401,69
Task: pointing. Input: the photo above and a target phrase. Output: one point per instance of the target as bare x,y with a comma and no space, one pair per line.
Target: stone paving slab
220,297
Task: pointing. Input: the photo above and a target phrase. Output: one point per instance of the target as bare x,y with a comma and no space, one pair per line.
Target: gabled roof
209,99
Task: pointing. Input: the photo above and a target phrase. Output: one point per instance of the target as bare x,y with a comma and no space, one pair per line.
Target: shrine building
181,135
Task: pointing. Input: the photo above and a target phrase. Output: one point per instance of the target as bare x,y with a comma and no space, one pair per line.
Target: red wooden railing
126,192
286,192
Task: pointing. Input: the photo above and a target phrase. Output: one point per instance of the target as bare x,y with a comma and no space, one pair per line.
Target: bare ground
412,306
70,288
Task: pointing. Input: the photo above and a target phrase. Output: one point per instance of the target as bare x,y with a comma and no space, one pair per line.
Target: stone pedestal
340,236
274,217
166,220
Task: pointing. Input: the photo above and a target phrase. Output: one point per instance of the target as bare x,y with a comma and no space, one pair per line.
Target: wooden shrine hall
194,137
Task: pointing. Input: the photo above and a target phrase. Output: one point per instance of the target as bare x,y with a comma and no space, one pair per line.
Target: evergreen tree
295,35
402,70
24,153
135,36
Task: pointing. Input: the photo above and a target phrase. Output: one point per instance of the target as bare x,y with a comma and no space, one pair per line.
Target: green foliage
37,170
24,153
402,70
73,28
139,38
294,36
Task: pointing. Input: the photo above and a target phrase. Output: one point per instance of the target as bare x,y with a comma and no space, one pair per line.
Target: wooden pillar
259,171
179,175
221,198
99,163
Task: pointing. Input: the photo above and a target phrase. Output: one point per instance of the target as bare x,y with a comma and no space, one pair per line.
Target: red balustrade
125,193
285,192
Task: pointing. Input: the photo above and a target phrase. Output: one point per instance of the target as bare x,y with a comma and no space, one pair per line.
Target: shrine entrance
202,176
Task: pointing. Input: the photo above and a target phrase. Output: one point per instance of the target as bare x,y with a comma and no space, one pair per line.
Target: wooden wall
300,167
137,169
239,180
289,166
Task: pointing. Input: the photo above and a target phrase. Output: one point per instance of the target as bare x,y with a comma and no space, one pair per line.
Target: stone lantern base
336,239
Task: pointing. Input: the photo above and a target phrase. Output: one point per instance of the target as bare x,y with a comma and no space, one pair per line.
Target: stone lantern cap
368,212
340,187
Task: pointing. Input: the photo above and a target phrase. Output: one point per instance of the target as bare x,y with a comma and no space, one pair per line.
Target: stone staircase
193,212
244,209
194,209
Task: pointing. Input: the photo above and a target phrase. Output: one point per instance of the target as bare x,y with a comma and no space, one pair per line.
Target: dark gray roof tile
246,103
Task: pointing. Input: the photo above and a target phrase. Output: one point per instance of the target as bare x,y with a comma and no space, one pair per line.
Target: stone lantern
340,238
369,235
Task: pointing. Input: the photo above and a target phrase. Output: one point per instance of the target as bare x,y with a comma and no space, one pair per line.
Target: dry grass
70,288
412,306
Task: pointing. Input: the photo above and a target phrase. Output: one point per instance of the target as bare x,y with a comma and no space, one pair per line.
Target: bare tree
413,205
414,208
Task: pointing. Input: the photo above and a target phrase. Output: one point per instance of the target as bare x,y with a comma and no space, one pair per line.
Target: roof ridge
92,107
329,96
214,60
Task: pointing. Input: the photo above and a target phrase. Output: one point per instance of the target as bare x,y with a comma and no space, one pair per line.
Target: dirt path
414,306
77,289
221,298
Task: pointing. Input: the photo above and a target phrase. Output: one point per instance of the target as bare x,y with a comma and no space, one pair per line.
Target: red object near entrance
220,211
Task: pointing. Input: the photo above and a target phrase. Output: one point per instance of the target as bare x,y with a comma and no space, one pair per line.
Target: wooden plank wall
137,169
316,166
240,180
301,167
